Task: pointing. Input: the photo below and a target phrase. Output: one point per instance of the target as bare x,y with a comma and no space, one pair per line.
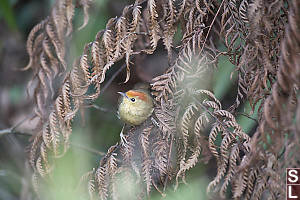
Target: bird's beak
124,95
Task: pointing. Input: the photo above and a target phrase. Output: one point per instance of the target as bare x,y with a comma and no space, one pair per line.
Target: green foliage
6,11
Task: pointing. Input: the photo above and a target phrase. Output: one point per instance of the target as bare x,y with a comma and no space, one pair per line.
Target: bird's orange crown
141,95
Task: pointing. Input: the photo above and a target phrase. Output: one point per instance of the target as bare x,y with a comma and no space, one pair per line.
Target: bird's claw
154,122
124,141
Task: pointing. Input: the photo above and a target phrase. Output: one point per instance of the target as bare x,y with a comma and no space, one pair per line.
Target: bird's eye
132,99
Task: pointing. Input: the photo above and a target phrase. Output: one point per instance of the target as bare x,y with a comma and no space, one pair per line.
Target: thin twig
112,78
13,128
98,108
210,26
11,131
91,150
246,115
105,87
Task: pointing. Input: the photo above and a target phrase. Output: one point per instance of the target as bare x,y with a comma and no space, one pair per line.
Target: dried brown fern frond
112,44
280,110
160,134
46,48
251,33
227,154
188,124
51,86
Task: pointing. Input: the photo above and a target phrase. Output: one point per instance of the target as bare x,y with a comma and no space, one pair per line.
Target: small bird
135,106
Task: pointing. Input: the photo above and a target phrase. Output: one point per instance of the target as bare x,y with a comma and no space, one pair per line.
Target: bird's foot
124,141
154,122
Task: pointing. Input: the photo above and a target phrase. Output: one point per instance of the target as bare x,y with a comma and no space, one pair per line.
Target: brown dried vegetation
262,40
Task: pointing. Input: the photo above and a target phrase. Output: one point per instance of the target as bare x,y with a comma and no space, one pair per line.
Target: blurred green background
99,130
